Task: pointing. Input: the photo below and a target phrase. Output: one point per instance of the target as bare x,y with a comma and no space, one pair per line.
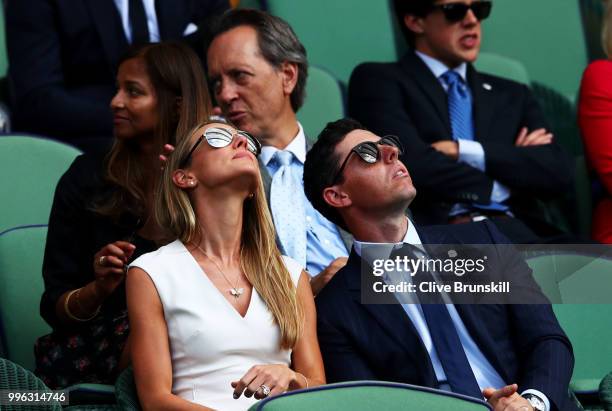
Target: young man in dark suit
477,145
516,356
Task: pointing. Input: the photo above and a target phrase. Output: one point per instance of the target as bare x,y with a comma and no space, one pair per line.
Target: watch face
536,402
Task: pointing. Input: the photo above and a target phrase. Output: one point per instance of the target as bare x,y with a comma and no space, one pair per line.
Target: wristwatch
536,402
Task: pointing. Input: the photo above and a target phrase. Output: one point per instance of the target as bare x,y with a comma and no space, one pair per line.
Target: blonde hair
176,75
260,259
606,29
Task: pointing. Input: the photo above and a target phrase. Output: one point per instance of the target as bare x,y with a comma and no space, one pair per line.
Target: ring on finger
102,261
265,390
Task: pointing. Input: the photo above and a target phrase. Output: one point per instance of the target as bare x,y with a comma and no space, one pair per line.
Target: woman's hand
109,266
276,377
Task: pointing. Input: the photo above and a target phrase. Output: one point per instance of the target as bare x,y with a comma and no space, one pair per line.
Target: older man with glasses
477,145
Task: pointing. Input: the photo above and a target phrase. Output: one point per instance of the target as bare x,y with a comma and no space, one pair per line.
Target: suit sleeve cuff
472,153
540,395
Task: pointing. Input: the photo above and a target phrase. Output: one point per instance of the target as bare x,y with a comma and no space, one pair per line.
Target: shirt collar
297,147
438,68
376,251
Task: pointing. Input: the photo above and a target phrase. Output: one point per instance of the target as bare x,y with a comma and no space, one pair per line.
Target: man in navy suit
516,356
63,57
477,145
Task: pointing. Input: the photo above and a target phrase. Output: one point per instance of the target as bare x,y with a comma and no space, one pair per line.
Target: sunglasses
218,137
369,152
455,12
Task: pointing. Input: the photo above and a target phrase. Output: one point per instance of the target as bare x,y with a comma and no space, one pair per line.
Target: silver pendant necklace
234,290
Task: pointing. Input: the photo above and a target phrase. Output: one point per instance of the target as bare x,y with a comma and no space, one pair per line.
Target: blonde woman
219,318
595,120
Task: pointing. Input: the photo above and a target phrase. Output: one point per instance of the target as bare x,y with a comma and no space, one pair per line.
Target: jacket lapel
430,85
107,21
471,314
392,319
483,103
171,25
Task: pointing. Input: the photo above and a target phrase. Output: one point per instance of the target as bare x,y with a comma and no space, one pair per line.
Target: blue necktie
444,335
459,106
287,205
462,122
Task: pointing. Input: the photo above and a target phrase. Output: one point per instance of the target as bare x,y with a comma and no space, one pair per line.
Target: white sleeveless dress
211,344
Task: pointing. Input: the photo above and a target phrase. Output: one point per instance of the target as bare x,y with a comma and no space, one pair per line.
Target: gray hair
277,42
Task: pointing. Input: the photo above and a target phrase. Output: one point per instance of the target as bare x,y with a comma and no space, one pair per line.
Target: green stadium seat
605,392
501,66
323,103
14,378
370,395
30,168
21,286
573,282
340,34
545,35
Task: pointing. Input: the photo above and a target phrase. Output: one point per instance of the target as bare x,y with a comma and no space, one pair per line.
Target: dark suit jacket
63,58
524,343
405,99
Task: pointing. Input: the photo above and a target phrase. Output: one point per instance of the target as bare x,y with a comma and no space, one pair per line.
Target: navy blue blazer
404,98
63,57
524,343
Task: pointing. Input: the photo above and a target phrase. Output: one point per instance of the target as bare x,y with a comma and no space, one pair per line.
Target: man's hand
320,280
447,147
535,138
506,399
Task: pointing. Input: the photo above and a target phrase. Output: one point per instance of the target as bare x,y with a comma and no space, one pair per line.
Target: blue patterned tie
287,204
462,122
443,332
459,106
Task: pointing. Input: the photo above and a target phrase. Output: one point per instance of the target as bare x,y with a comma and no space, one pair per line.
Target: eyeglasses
369,152
455,12
218,137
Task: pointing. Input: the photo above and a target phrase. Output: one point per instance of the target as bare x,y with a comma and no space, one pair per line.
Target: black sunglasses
369,152
218,137
455,12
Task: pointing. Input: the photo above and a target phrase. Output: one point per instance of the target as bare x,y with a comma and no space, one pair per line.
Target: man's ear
289,72
414,23
184,179
336,198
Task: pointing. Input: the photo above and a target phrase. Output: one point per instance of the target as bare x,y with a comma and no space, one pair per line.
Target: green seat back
30,168
592,12
16,378
126,392
501,66
545,35
573,282
605,392
324,102
21,286
370,395
340,34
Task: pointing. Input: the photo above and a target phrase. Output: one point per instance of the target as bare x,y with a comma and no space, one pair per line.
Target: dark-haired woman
102,216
